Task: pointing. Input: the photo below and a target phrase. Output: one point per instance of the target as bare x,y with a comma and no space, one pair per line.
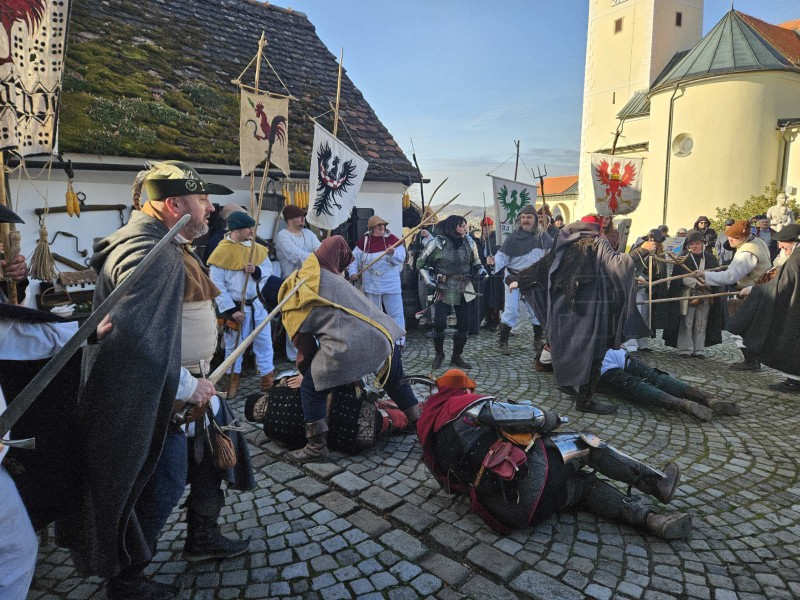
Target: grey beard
193,231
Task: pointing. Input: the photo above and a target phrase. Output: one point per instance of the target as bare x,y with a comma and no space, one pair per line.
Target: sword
26,397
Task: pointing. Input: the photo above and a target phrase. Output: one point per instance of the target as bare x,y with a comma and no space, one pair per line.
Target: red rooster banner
264,118
31,58
617,184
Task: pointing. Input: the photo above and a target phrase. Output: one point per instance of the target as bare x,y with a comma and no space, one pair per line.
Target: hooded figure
703,225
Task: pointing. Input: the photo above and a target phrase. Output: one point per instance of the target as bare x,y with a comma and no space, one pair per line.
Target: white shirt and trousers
292,250
230,284
511,312
382,281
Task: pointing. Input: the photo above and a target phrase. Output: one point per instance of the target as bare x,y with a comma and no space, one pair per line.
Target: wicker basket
52,297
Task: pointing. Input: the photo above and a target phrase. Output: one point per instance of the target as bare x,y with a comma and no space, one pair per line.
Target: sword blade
27,396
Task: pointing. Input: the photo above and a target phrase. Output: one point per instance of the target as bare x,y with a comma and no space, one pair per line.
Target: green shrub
756,205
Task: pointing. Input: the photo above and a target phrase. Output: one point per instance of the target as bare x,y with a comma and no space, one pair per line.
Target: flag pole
516,164
338,95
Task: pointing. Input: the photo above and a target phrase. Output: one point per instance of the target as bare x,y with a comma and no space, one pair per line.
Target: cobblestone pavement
378,526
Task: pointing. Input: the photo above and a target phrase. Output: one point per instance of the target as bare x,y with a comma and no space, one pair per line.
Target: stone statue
779,215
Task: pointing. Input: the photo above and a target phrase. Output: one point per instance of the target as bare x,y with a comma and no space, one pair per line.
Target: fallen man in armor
630,379
518,471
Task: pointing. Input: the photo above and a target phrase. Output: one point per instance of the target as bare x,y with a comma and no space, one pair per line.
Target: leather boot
538,337
140,589
722,407
586,403
617,465
673,526
505,333
204,541
438,348
679,404
266,381
233,386
458,349
316,448
750,362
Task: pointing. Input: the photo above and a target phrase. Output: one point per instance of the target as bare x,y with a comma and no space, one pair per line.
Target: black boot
458,348
137,587
204,541
617,465
750,362
505,333
586,403
602,499
538,337
438,348
644,393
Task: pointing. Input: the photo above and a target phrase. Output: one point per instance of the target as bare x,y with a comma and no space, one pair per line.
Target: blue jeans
314,402
19,546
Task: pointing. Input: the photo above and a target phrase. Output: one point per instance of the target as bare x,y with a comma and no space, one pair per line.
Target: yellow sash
235,256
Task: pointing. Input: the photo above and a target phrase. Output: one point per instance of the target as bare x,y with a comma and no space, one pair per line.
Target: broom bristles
43,266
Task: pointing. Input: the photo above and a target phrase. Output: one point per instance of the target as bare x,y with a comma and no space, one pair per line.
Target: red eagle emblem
615,182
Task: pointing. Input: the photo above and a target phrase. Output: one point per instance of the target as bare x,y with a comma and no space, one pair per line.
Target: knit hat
374,221
240,220
657,235
695,236
528,209
739,229
175,178
545,210
290,211
455,378
789,233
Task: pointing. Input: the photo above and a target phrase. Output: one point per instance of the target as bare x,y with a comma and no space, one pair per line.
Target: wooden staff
239,350
703,297
9,236
650,292
682,275
426,221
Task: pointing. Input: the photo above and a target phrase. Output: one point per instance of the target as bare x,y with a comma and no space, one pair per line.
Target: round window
682,145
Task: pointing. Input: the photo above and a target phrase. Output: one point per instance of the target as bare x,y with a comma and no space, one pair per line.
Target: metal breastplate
454,261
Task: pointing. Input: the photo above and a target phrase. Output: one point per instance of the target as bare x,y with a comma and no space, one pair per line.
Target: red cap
592,219
487,221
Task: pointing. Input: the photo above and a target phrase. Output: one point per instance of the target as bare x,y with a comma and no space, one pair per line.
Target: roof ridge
270,6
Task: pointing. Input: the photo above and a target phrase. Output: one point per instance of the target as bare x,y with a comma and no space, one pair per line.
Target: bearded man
525,246
135,457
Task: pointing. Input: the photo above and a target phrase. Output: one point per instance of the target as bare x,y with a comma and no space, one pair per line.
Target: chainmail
454,261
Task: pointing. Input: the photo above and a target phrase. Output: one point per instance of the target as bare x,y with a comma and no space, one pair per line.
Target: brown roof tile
556,185
782,38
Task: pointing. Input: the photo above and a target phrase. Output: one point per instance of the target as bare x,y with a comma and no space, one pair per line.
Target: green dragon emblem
513,205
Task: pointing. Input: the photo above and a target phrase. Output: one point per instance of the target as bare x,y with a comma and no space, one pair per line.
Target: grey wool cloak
131,379
769,319
349,347
603,312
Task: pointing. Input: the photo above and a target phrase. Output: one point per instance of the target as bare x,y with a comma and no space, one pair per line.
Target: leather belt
246,302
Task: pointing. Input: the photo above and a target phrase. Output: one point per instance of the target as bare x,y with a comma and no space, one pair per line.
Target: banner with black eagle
263,120
31,59
617,184
510,197
336,175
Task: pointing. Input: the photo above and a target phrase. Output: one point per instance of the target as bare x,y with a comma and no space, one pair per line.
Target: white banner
617,184
31,61
509,198
263,118
335,178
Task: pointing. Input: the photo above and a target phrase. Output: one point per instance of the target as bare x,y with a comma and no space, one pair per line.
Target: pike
226,364
426,221
27,396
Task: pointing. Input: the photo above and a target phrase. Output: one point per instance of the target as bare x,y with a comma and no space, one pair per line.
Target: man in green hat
134,450
235,266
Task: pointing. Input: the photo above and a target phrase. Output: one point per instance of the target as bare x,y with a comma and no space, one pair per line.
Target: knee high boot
750,362
438,348
459,341
505,333
316,448
645,393
204,541
602,499
585,400
617,465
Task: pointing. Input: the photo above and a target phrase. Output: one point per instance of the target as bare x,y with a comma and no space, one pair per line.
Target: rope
503,163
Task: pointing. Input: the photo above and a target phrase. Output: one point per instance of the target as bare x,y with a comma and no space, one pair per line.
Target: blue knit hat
240,220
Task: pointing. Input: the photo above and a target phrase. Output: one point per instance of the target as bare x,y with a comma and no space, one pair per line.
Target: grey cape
769,319
603,314
349,347
131,379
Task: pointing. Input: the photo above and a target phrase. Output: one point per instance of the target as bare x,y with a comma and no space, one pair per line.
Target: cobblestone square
378,526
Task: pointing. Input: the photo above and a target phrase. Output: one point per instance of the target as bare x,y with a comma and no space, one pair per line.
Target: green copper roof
732,46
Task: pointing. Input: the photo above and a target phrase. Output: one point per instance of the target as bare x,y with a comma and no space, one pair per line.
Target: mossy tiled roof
151,79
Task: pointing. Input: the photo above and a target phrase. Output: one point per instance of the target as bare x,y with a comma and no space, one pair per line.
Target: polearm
689,274
240,349
680,298
425,221
43,378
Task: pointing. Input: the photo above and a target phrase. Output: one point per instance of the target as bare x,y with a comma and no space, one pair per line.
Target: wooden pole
261,43
650,292
516,164
240,348
8,234
679,298
682,275
338,94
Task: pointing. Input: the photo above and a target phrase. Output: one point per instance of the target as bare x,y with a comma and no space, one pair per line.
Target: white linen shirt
293,249
384,276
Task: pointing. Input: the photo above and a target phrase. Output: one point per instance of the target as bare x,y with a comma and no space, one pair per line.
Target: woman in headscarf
340,337
453,259
381,280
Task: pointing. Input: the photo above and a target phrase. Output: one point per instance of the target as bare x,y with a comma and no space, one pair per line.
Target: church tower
629,42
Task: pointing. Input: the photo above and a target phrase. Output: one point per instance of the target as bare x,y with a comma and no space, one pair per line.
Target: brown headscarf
334,254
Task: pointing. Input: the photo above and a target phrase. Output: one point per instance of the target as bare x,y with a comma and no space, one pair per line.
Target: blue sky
465,78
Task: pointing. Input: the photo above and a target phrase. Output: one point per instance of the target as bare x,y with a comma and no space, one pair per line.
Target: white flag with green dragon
509,199
263,119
